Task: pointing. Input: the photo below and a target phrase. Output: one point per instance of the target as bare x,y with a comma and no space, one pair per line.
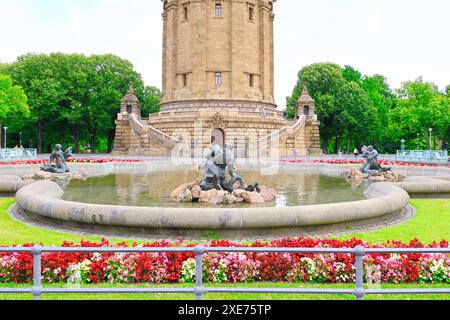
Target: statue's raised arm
68,153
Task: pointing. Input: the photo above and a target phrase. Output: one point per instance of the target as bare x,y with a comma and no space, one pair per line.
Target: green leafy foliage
13,102
75,99
420,107
354,109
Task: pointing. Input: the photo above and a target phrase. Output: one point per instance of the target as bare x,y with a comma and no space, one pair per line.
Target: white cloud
401,39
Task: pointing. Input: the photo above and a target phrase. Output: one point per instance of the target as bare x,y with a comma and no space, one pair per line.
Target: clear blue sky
401,39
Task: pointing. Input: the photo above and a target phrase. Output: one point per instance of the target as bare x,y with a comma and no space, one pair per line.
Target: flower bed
74,160
382,162
82,268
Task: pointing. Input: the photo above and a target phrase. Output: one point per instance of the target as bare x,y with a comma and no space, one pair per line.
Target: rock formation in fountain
215,188
372,170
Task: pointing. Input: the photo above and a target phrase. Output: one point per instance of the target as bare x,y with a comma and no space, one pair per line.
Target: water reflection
153,189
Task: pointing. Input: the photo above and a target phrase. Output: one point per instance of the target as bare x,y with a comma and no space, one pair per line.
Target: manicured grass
233,296
432,223
14,232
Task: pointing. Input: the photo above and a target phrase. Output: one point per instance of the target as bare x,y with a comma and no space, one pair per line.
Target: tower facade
218,50
217,81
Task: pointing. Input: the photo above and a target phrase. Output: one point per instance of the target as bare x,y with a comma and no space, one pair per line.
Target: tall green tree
383,99
38,76
3,67
75,99
13,103
322,80
151,101
352,75
109,78
420,107
356,115
343,107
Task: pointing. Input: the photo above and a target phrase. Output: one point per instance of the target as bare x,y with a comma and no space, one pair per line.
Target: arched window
251,12
186,11
218,136
306,110
218,8
218,78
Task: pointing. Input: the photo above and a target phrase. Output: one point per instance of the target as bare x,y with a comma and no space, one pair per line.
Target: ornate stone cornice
218,122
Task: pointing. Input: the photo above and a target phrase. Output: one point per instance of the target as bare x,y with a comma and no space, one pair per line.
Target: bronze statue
372,165
57,160
217,161
213,173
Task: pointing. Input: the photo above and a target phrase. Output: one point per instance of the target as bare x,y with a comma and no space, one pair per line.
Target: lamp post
92,143
20,139
418,141
429,155
431,132
6,128
403,144
434,140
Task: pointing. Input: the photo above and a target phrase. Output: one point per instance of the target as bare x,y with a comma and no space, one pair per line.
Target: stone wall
197,44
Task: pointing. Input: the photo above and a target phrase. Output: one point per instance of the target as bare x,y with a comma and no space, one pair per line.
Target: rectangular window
251,80
251,12
185,80
218,78
218,9
185,11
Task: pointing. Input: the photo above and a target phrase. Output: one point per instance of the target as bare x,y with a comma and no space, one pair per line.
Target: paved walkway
18,214
331,157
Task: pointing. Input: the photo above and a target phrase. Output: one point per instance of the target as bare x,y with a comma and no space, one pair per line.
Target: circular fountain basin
153,189
139,200
297,211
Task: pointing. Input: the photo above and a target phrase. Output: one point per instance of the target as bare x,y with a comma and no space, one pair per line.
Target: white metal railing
199,290
18,154
141,128
423,156
278,133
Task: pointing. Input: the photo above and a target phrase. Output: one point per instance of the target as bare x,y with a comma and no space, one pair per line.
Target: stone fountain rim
44,198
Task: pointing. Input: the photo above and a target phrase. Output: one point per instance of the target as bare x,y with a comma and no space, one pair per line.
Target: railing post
199,290
37,272
360,252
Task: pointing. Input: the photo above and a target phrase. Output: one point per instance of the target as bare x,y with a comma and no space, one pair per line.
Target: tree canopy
420,107
74,99
354,109
13,102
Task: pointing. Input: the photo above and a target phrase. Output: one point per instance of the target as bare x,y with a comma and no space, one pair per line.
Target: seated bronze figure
57,160
217,160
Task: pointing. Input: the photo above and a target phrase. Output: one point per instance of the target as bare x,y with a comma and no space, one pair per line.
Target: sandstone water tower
218,80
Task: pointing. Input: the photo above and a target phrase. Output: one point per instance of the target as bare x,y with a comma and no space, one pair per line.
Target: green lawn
233,296
14,232
432,223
